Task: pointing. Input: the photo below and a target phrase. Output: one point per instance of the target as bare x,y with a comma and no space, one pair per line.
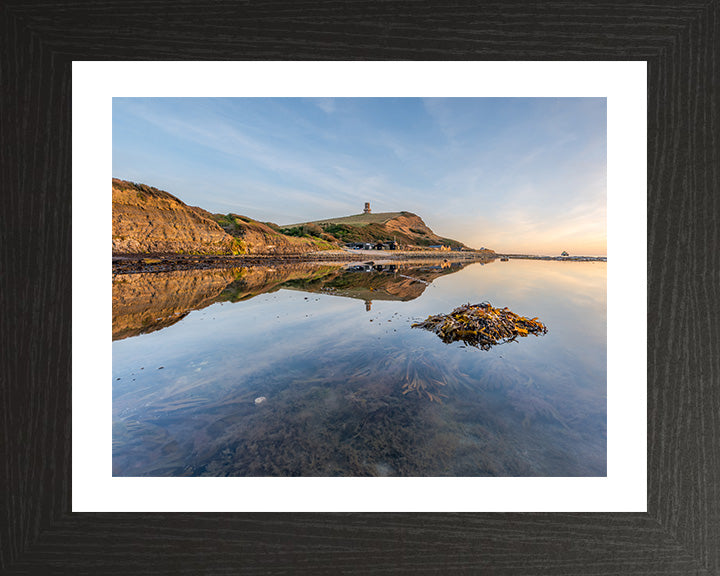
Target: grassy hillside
259,237
355,220
406,228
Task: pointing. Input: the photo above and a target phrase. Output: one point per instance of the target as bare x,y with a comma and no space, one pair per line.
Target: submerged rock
481,325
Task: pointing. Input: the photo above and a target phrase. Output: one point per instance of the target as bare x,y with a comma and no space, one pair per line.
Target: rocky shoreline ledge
136,263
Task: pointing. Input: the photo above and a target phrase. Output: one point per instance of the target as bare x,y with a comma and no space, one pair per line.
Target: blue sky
511,174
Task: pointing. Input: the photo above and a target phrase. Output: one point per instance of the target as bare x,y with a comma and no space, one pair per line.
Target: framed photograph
334,348
99,475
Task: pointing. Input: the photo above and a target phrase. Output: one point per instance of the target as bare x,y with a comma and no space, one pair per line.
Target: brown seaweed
481,325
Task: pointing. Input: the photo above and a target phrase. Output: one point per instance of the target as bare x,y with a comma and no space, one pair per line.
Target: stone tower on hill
367,208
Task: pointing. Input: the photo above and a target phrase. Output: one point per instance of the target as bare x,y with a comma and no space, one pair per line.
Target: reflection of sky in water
332,374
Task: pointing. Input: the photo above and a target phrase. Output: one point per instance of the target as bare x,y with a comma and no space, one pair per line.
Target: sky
517,175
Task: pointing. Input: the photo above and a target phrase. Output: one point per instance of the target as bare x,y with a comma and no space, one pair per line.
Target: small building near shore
380,245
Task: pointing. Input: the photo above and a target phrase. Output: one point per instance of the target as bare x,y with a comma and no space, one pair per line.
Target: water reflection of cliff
147,302
369,282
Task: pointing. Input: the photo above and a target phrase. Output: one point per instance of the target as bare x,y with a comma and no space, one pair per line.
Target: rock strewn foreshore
135,263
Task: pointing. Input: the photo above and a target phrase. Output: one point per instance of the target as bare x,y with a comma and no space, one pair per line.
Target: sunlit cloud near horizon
518,175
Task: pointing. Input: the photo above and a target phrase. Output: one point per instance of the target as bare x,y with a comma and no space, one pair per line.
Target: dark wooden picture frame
680,533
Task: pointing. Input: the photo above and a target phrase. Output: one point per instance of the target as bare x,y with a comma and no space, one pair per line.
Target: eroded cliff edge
151,221
146,220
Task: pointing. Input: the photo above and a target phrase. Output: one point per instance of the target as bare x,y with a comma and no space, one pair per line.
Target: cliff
146,220
412,227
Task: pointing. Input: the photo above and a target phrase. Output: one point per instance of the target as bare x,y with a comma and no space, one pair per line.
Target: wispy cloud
297,165
327,105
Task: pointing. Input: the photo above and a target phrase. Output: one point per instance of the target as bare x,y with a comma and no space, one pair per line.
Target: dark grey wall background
680,534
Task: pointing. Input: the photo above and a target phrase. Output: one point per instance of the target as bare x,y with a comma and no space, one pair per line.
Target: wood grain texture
681,532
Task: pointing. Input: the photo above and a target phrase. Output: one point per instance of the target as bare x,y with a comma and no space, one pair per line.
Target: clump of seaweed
481,325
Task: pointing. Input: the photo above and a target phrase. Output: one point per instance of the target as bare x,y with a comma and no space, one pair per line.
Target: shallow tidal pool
331,350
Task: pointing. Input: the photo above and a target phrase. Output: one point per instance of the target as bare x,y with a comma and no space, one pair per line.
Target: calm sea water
299,371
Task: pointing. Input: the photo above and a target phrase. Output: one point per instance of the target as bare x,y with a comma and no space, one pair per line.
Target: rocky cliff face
408,229
413,227
148,220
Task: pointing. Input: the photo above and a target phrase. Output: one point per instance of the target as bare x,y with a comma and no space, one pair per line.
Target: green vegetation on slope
404,227
373,232
254,235
356,219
